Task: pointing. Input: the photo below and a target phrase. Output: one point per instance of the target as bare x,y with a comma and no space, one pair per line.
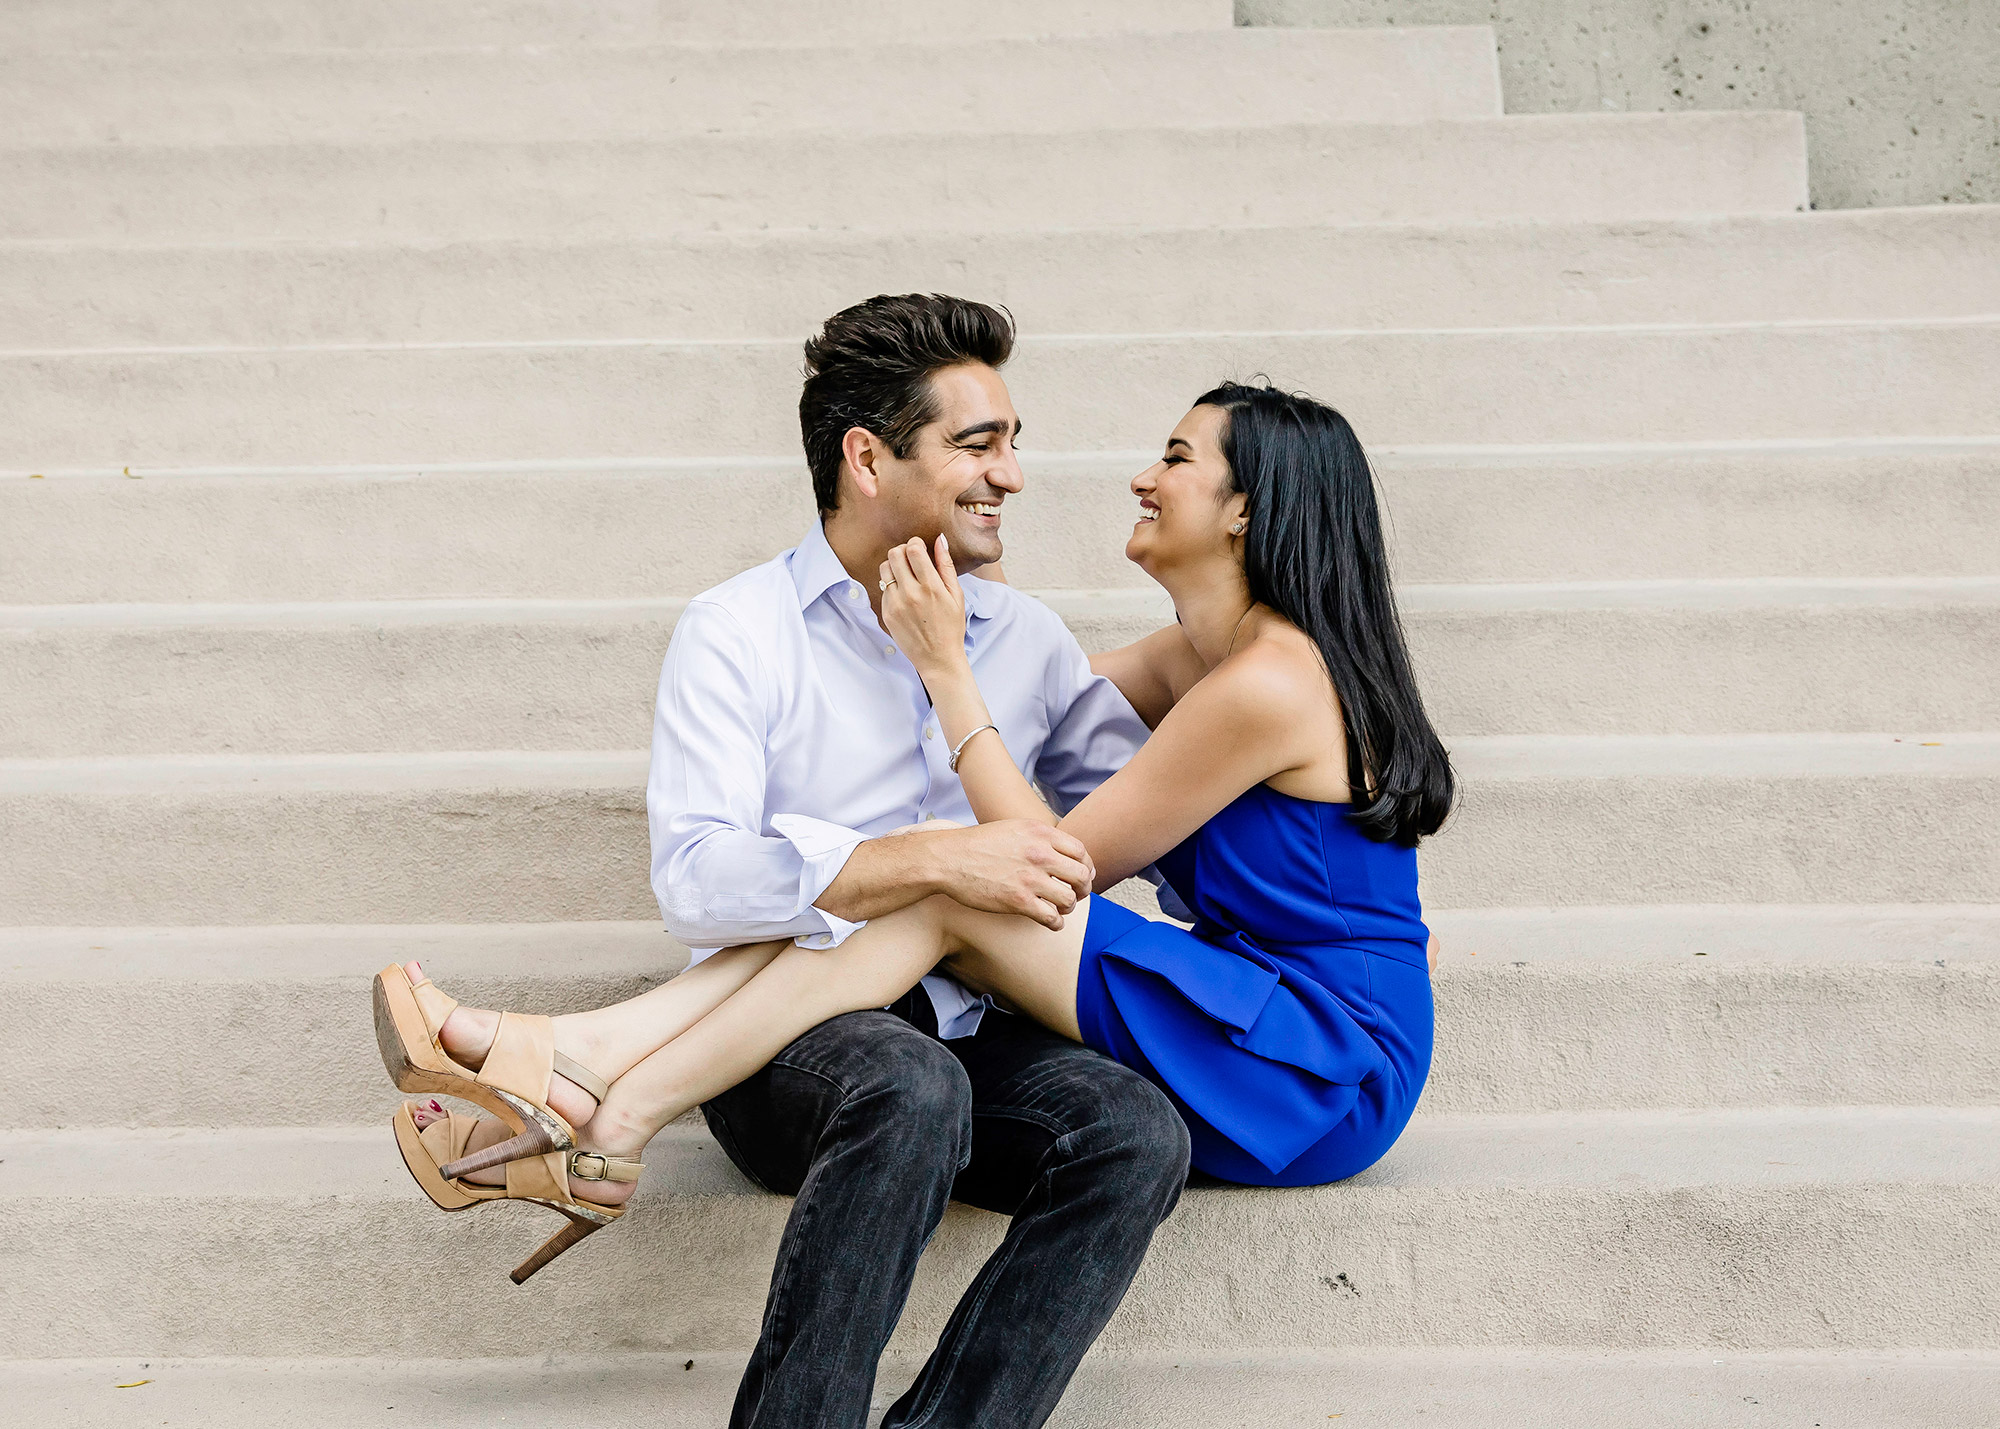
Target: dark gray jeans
874,1125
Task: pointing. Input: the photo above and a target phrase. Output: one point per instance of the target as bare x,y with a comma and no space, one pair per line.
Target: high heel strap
425,1150
540,1178
546,1177
445,1137
437,1006
593,1166
569,1067
522,1057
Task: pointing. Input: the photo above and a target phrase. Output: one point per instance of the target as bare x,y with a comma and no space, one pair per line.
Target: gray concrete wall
1901,97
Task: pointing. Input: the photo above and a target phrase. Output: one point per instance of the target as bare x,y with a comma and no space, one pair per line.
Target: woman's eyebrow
1173,442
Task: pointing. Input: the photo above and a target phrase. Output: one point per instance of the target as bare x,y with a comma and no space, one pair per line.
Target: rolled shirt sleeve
720,875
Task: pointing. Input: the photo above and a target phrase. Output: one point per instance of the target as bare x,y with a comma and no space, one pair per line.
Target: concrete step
595,530
1640,657
1555,167
543,837
1708,657
1126,81
648,399
1850,264
1538,1009
1543,1389
1827,1229
57,26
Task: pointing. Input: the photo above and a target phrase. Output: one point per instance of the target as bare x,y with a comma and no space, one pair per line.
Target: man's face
960,469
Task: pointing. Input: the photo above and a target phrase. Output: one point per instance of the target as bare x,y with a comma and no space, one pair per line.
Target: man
793,749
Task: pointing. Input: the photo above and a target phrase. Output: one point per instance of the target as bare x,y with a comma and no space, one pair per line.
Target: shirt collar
817,570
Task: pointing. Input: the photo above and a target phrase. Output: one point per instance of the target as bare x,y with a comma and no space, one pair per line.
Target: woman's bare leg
788,991
608,1040
1021,962
611,1040
1023,965
782,991
792,994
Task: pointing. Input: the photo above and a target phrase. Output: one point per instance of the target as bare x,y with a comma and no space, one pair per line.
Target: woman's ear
1236,513
859,451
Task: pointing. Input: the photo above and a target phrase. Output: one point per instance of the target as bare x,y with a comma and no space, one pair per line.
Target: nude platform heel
430,1151
512,1083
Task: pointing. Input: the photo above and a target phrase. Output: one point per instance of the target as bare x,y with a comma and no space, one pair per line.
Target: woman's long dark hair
1313,552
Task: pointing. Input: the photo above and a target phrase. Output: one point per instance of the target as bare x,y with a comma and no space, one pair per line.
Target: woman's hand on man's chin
923,607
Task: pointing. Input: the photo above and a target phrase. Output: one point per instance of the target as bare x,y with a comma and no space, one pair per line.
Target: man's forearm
883,876
1015,866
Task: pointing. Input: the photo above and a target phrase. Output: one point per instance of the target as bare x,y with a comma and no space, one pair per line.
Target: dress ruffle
1292,1028
1179,995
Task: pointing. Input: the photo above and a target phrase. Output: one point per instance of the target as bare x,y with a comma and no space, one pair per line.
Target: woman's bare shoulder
1278,665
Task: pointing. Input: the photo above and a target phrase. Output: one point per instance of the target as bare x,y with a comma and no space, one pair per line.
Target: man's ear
860,450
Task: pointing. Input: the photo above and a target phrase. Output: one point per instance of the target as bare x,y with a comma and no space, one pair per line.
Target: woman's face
1186,507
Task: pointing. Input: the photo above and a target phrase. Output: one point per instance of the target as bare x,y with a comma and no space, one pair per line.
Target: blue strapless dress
1292,1027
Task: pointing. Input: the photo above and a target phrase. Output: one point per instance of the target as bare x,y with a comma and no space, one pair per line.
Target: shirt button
888,649
929,732
853,591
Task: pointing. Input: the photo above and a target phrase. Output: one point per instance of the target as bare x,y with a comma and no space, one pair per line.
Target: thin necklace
1237,629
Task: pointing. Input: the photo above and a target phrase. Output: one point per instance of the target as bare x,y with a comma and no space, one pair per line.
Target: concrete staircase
377,381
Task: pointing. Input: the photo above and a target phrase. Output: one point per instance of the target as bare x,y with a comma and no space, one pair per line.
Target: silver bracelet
959,749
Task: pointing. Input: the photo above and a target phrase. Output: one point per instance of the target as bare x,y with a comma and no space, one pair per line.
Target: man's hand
1015,866
1010,866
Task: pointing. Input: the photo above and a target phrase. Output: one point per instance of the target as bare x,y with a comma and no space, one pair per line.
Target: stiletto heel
433,1151
555,1245
532,1142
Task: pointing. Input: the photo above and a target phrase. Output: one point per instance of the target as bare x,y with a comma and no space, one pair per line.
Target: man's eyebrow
993,424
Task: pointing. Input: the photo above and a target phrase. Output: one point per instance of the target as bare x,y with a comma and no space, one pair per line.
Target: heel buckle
600,1166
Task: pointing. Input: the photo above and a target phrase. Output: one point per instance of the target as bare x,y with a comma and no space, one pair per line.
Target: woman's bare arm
1232,728
1153,672
1237,727
924,609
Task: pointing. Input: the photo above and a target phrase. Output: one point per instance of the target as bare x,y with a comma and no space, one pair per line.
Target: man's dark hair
871,367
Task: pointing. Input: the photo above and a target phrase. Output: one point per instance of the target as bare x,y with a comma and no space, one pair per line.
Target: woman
1291,772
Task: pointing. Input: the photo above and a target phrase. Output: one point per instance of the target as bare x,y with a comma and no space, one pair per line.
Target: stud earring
1237,529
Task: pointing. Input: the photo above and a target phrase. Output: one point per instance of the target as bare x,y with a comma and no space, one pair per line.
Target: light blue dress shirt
790,728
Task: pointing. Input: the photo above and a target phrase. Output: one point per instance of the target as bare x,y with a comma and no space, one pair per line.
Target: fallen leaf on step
35,476
133,1385
1932,743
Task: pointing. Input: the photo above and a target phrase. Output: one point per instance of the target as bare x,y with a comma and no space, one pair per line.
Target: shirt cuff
823,850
